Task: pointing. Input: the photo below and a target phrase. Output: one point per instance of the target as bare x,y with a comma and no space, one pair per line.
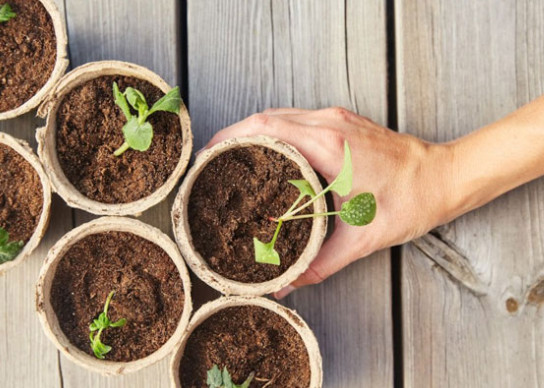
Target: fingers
333,256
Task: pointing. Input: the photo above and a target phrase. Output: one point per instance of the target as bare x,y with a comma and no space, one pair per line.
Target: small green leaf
138,136
265,252
8,250
120,323
136,99
99,349
227,380
360,210
215,379
170,102
303,186
121,101
6,13
343,182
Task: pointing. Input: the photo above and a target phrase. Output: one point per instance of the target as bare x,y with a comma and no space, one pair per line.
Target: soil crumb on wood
246,339
231,202
28,52
89,130
148,293
21,195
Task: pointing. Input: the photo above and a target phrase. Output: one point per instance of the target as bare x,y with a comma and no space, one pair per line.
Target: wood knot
512,305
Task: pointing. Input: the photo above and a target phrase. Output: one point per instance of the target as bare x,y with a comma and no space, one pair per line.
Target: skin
418,185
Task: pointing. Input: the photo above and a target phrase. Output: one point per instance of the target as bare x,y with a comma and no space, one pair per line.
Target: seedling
6,13
218,379
138,132
8,249
100,324
359,211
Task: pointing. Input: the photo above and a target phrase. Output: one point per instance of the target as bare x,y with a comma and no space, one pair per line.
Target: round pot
23,149
47,150
195,260
48,317
294,320
61,63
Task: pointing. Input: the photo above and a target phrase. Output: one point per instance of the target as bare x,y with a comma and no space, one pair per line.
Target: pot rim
48,317
61,63
195,260
291,316
47,150
23,149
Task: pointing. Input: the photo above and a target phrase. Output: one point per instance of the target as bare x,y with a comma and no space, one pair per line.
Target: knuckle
314,276
341,113
259,119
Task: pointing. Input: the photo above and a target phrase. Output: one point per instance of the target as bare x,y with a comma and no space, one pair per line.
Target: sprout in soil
137,131
8,249
101,324
359,210
218,379
6,13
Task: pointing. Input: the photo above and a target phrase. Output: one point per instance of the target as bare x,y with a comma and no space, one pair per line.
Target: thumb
333,256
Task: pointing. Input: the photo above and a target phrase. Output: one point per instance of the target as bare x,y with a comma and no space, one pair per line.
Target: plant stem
294,205
121,149
108,300
276,233
305,205
288,218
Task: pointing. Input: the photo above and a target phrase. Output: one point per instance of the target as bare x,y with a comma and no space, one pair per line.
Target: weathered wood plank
145,33
245,56
462,64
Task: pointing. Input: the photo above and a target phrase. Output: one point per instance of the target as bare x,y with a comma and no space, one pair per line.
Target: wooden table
428,314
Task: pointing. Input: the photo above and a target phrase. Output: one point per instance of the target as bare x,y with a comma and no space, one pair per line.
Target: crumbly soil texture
246,339
28,52
89,130
232,201
21,195
148,293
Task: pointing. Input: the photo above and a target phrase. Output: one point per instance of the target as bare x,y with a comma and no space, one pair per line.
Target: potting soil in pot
28,50
89,130
21,195
232,201
246,339
148,293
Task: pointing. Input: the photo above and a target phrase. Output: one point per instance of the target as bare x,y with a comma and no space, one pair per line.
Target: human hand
406,175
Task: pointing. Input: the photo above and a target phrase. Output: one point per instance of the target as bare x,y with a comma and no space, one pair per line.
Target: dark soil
148,293
28,52
89,130
246,339
21,195
231,202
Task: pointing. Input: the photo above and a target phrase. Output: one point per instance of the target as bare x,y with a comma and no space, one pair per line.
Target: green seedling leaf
265,252
343,182
304,187
6,13
227,380
8,250
98,326
360,210
121,101
171,102
138,136
215,379
136,99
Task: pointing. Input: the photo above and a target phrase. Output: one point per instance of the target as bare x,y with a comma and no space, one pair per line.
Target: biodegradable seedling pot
24,150
46,283
47,139
208,310
182,228
61,63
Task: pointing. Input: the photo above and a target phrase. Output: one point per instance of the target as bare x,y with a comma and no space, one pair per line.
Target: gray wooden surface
460,64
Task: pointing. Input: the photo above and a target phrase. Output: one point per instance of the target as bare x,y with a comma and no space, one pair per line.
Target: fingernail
284,292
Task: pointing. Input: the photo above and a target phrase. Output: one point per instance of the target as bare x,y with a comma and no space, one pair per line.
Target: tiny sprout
218,379
138,132
6,13
359,210
8,250
101,324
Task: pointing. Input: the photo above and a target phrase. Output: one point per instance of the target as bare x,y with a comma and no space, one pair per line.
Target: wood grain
462,64
245,56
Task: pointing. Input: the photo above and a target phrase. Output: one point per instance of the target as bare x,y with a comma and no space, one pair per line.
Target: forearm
497,158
